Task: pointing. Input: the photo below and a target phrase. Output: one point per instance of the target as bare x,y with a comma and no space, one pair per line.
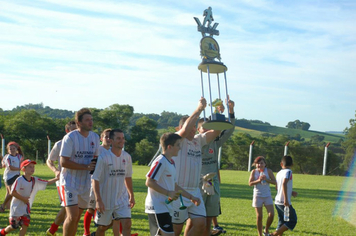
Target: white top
26,189
281,175
260,190
189,162
14,161
111,172
81,150
164,173
54,154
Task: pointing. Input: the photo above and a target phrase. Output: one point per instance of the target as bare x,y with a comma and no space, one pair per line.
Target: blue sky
286,60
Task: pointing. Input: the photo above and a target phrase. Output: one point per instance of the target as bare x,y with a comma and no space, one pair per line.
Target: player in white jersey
105,145
79,147
51,163
283,197
24,191
188,165
12,162
162,186
112,183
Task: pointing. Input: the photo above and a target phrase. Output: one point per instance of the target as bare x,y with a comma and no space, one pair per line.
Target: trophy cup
210,51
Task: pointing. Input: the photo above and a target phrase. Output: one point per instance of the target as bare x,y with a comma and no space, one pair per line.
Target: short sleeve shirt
111,172
189,162
25,188
281,175
81,150
163,172
54,154
14,161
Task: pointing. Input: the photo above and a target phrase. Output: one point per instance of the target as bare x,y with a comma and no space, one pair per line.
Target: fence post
286,149
250,156
2,145
49,145
325,158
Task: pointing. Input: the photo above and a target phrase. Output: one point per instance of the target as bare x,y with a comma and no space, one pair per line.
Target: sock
2,232
120,228
53,228
87,221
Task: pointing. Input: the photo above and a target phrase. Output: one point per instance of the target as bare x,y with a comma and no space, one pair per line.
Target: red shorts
17,221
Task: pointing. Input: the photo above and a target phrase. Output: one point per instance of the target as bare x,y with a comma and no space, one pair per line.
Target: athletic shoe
93,234
266,234
220,229
49,233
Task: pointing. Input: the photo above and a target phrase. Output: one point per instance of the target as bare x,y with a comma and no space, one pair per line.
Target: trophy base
214,67
217,125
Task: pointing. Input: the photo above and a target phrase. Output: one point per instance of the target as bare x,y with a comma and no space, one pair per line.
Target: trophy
210,51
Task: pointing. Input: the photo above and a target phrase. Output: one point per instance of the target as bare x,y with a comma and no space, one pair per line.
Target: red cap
26,163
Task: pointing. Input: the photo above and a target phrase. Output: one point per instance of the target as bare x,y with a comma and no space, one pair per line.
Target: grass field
314,205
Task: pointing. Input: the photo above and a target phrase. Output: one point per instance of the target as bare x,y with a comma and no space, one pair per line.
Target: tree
115,116
350,144
30,130
145,129
297,124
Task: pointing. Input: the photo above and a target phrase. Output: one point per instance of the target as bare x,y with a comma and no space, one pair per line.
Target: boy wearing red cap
24,191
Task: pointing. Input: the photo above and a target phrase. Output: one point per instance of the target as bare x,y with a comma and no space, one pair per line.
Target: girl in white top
11,162
260,178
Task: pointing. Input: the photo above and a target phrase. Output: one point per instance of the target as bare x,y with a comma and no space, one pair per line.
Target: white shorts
260,201
92,202
72,197
114,214
192,211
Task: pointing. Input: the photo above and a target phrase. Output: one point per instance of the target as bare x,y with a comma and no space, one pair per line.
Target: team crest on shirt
211,151
92,145
123,161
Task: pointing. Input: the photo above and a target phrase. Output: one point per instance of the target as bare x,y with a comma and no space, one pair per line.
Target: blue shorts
292,217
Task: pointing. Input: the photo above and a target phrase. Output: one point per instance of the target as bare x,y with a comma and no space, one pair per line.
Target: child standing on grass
283,197
23,191
260,178
162,185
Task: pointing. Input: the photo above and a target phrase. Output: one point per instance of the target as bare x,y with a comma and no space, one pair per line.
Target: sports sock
2,232
53,228
87,221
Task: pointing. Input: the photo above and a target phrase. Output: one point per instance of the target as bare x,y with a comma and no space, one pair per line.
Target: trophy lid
214,66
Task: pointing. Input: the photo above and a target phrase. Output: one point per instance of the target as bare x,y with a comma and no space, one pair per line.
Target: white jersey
261,190
281,175
163,172
14,161
54,154
26,189
189,162
81,150
111,172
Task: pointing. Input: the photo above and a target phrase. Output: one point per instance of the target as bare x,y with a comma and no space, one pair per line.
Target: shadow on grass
325,194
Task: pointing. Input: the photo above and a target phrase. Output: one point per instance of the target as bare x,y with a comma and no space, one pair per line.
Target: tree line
29,125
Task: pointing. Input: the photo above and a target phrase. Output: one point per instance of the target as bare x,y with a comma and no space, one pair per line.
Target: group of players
98,178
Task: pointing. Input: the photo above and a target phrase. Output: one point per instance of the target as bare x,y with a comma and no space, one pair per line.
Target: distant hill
170,119
257,129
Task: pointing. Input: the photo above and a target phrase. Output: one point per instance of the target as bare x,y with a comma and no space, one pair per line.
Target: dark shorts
18,221
10,181
292,217
162,222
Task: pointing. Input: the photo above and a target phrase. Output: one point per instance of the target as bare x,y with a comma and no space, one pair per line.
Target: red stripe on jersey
153,169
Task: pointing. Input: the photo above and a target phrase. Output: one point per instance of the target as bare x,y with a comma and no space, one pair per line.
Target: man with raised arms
188,165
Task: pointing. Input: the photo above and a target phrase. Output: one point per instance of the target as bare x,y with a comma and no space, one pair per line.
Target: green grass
314,205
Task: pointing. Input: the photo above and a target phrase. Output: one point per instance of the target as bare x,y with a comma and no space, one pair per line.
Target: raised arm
191,121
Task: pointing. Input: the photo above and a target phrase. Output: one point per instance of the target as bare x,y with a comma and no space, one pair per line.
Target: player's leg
207,231
259,216
57,221
270,212
70,224
126,227
6,230
198,226
23,230
87,220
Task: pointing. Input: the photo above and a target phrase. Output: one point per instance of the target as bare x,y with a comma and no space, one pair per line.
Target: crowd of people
183,182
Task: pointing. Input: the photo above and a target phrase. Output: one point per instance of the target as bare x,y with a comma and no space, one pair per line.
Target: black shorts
10,181
160,222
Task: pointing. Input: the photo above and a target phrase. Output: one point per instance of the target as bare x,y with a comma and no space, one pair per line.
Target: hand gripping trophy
209,51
